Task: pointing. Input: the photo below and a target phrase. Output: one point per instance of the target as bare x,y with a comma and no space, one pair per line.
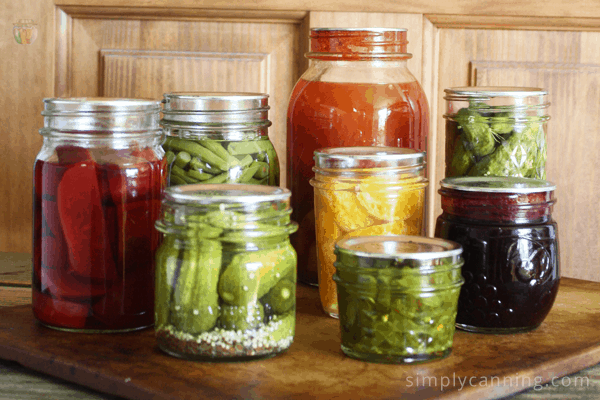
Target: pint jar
226,272
357,91
219,138
98,180
363,191
510,246
398,297
496,131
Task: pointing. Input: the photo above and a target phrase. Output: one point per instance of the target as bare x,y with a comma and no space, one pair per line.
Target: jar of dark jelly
511,254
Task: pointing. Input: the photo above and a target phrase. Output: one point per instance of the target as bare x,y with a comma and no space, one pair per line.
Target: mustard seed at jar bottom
398,297
226,272
362,191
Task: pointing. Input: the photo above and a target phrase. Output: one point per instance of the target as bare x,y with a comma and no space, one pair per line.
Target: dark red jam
510,247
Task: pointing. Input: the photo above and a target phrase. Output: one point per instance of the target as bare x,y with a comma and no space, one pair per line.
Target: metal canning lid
203,194
496,184
400,247
367,157
215,107
468,92
87,114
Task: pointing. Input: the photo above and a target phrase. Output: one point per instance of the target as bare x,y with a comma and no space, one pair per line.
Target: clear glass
512,261
219,138
96,196
397,308
358,91
496,131
226,273
364,195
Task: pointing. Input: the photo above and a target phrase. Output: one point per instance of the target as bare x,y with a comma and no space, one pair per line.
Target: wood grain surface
131,366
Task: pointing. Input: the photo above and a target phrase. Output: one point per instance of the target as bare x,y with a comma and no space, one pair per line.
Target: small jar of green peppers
225,272
218,138
496,131
398,297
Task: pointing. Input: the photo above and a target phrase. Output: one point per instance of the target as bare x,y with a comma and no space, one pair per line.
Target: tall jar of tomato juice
98,180
358,91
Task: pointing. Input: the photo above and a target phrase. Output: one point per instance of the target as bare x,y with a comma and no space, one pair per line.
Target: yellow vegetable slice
391,206
391,228
347,211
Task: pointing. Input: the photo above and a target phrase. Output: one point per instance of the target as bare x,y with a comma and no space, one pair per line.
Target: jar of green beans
218,138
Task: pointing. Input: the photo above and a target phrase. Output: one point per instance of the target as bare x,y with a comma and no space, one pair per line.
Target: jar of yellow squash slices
364,191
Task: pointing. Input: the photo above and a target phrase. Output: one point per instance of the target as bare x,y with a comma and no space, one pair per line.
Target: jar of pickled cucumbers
219,138
98,181
496,131
398,297
364,191
225,272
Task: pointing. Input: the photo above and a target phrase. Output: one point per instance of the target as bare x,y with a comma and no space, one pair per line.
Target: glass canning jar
496,131
226,272
98,179
219,138
398,297
358,91
510,246
363,191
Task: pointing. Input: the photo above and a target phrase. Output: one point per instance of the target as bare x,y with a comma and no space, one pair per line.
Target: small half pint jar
397,297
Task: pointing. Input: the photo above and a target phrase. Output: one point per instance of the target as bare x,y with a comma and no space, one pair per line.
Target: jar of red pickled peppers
358,91
98,181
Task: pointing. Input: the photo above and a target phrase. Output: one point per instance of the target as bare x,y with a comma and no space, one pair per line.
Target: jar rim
214,101
495,91
203,194
405,247
367,157
56,106
496,184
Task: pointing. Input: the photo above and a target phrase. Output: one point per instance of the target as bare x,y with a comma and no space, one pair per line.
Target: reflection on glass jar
398,297
496,131
362,191
510,244
219,138
226,272
358,91
97,185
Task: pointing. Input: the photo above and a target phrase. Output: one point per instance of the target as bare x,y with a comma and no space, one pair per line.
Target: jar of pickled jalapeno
510,244
219,138
226,272
362,191
398,297
98,181
496,131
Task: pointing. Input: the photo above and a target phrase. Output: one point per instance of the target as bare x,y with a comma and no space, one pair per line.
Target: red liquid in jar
94,240
327,114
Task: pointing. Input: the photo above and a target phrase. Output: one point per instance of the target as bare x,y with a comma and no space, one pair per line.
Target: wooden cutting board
480,366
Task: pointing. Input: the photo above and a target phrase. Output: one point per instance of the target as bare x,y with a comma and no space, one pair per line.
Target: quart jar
98,180
363,191
357,91
219,138
226,272
398,297
510,246
496,131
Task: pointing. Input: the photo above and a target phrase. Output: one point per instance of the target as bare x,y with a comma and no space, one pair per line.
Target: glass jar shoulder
374,72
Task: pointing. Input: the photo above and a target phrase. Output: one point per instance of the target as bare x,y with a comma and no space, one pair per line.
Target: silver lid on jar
404,247
497,184
215,108
367,157
512,97
100,115
224,193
